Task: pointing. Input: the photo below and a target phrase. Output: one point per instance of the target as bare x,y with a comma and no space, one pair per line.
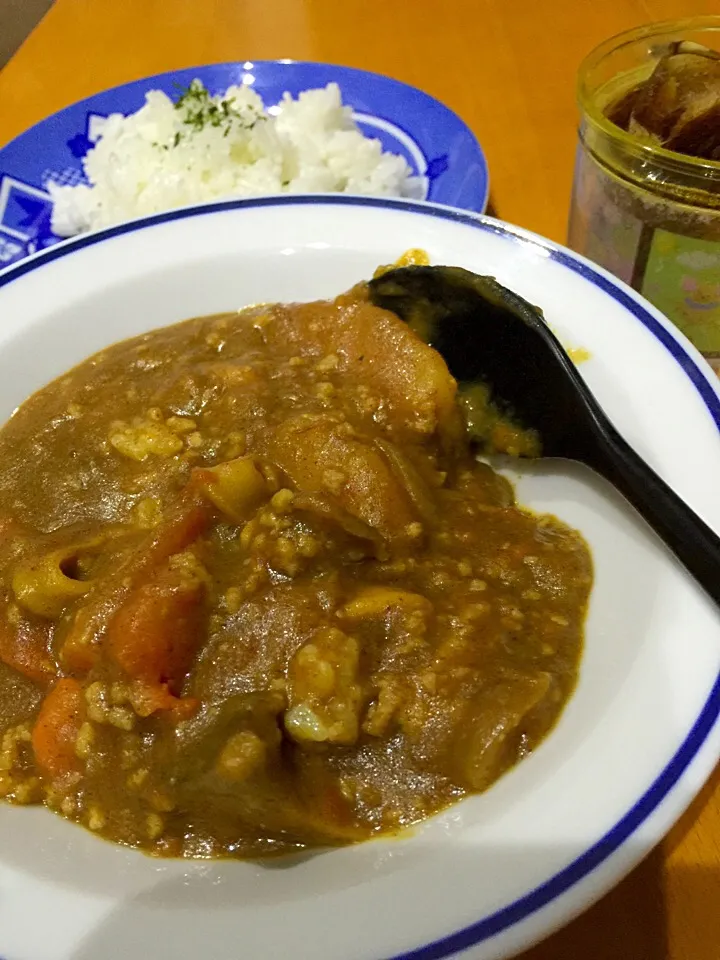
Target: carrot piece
24,646
155,634
79,652
61,715
183,525
153,698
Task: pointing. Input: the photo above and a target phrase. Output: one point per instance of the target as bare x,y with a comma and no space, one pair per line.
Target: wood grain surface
508,67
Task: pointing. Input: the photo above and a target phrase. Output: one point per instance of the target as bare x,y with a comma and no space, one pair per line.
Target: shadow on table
631,922
17,19
627,924
491,209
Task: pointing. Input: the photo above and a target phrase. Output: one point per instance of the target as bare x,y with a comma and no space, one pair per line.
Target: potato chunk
236,487
379,350
321,458
376,600
324,693
485,743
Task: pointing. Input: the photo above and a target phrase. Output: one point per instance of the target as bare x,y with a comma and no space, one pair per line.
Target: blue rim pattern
437,145
525,906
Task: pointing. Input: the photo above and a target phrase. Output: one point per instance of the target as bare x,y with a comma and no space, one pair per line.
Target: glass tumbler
649,215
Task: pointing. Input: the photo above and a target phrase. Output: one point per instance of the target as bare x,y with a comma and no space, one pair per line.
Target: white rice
210,148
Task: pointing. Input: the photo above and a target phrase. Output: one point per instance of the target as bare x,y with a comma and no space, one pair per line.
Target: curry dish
258,594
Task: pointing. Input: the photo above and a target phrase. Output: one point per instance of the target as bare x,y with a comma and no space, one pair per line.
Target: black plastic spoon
488,334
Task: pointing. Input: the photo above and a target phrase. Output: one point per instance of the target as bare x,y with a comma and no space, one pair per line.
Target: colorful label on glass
682,278
679,274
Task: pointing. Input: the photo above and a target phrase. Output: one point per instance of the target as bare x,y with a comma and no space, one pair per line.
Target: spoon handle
690,538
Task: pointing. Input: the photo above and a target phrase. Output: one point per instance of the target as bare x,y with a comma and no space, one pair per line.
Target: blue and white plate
434,141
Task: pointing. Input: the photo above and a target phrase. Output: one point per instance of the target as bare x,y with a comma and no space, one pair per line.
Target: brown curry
258,594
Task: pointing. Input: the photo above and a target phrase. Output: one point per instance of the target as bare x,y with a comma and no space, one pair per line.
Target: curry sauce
258,594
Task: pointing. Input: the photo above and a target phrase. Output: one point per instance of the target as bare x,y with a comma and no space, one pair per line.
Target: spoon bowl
489,335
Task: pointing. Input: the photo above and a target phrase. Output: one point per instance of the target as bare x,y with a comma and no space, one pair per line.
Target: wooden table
670,906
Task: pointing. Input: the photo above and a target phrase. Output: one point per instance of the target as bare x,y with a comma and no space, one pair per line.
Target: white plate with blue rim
639,736
439,148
